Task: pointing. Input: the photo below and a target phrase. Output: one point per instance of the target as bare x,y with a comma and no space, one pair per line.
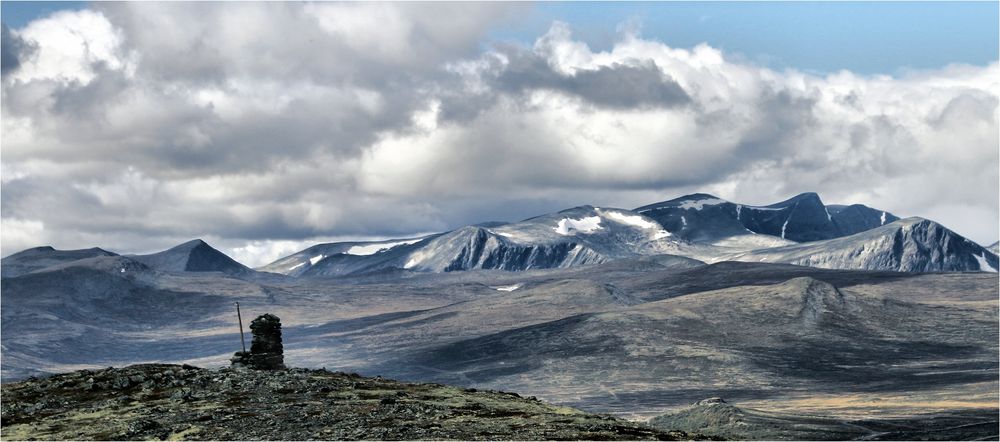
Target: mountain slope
39,258
765,341
298,263
194,256
705,218
96,310
909,245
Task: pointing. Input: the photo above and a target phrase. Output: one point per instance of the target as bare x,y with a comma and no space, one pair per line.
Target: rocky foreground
157,401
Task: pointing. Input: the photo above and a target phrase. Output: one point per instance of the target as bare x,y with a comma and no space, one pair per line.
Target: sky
264,128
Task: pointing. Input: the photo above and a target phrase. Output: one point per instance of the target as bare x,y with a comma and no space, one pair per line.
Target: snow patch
753,241
371,249
739,208
661,234
699,204
315,259
883,219
632,220
507,288
568,226
296,266
828,217
412,262
684,221
783,227
984,265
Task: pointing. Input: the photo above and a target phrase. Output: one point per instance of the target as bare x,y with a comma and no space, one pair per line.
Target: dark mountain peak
41,249
685,202
695,196
702,217
837,208
34,251
811,198
194,256
578,209
51,251
198,242
38,258
913,220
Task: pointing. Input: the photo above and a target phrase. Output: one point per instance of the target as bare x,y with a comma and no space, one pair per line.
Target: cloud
12,49
267,126
629,84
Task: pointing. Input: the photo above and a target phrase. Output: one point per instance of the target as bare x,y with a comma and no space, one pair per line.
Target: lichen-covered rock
291,404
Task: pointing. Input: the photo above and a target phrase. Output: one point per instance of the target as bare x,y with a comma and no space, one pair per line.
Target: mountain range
801,230
789,308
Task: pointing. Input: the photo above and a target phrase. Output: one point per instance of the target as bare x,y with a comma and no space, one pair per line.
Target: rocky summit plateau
156,401
810,321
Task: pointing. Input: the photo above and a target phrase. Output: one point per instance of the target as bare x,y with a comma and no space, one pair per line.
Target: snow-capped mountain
908,245
194,256
581,235
702,217
801,230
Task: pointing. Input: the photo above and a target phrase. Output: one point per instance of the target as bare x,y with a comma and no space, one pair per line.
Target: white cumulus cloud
265,127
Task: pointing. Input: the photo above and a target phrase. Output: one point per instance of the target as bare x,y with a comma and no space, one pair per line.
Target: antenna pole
243,342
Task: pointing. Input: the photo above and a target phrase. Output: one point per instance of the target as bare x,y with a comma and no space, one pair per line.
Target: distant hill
39,258
194,256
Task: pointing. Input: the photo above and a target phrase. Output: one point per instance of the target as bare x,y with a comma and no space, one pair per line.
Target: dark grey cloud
12,49
638,84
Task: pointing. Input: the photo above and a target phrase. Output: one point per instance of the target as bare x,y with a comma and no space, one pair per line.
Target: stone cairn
266,352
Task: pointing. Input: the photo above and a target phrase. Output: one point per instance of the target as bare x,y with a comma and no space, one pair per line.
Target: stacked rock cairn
266,352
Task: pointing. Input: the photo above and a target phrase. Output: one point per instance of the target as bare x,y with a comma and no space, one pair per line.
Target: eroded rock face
266,351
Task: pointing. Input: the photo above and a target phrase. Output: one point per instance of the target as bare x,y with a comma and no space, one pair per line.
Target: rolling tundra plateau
810,321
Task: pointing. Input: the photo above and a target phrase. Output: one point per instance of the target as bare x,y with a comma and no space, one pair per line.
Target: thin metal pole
240,318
